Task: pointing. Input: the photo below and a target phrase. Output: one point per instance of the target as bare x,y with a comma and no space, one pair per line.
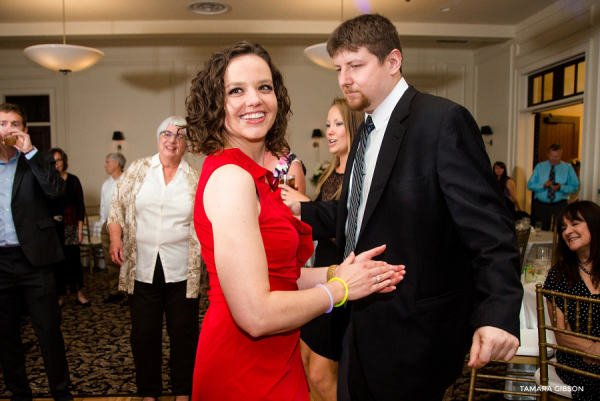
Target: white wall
135,87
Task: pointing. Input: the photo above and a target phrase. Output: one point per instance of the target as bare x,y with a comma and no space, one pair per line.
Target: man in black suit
28,248
425,188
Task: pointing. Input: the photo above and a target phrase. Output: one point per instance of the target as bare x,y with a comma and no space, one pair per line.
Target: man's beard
360,104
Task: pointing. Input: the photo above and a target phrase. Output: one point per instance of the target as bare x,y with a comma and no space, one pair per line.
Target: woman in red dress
253,247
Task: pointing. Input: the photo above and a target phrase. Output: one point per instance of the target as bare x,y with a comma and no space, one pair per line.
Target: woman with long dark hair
577,272
508,187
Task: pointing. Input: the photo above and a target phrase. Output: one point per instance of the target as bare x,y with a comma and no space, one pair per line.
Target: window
562,81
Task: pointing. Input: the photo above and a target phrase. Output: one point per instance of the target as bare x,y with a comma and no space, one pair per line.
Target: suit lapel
19,173
390,146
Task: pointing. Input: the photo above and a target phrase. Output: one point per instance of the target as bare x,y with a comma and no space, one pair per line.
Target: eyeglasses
169,135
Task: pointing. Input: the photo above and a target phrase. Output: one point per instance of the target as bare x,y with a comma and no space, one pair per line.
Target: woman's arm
231,204
296,169
116,245
579,344
510,184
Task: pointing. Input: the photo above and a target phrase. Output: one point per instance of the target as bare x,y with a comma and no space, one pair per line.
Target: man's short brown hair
554,147
15,108
373,31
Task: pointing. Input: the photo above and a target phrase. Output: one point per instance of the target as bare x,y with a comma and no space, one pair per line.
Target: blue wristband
330,296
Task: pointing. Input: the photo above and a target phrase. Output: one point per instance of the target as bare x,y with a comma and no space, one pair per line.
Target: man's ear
25,129
395,61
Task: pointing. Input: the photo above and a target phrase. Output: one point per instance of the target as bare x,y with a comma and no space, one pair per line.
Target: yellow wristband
331,272
345,286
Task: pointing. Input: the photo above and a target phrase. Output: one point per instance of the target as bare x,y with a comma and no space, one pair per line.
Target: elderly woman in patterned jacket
153,240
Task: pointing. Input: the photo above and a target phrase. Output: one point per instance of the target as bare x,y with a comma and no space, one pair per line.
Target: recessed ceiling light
445,9
207,7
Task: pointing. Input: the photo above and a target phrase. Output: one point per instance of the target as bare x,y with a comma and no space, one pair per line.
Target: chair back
583,307
522,239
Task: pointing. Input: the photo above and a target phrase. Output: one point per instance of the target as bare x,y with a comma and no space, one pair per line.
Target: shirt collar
13,159
155,162
383,112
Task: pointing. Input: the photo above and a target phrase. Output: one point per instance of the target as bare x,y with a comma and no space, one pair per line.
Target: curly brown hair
373,31
206,103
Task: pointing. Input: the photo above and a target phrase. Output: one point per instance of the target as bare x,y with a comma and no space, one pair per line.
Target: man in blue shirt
29,246
551,182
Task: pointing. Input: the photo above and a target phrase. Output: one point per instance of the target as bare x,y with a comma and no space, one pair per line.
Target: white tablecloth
528,315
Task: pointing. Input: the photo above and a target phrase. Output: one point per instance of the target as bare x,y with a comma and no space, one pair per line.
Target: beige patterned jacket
122,212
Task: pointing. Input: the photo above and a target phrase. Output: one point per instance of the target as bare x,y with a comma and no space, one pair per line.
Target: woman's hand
365,276
80,236
594,349
116,251
289,194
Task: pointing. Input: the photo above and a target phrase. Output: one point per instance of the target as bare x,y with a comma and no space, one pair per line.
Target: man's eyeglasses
169,135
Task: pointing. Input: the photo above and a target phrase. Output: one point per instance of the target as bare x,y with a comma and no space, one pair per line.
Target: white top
163,214
381,117
108,188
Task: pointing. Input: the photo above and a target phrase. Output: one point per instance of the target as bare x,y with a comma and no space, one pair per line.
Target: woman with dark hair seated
508,188
577,272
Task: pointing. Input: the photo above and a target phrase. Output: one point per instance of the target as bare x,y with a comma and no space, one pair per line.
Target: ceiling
475,21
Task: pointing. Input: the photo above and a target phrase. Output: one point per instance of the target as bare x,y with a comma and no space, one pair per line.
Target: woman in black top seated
341,123
577,272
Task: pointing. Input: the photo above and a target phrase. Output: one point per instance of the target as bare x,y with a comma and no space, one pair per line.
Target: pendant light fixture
318,53
64,58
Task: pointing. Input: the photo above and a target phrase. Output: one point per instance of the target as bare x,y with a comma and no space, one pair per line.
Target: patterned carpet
99,351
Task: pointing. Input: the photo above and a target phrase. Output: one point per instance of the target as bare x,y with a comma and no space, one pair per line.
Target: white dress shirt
381,116
163,216
108,188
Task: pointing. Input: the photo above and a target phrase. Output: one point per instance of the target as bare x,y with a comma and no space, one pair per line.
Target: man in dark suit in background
417,179
28,248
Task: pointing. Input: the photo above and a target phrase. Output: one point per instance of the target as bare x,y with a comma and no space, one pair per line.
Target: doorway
560,126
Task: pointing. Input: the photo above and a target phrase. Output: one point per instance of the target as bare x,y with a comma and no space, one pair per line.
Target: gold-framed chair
522,239
92,244
527,354
546,377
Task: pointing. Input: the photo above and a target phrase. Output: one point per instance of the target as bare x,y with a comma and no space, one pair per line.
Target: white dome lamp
64,58
318,53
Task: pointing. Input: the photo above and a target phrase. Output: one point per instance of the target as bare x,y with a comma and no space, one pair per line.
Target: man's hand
548,184
556,187
492,343
294,207
23,141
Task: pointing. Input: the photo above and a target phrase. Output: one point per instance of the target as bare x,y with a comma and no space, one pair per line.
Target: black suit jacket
36,182
436,204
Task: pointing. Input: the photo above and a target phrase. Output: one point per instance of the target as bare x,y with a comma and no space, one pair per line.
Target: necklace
583,268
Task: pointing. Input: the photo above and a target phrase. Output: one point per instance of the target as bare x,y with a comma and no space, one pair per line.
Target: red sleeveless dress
230,364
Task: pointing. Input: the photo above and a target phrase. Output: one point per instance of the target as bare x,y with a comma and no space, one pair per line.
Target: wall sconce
316,136
118,136
487,130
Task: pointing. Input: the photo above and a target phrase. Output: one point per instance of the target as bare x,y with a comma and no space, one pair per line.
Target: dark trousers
69,272
148,304
543,212
352,383
20,280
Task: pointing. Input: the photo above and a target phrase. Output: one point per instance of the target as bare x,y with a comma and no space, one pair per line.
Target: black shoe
113,298
85,305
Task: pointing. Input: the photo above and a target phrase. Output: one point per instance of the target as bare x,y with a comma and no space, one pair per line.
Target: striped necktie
358,176
551,192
